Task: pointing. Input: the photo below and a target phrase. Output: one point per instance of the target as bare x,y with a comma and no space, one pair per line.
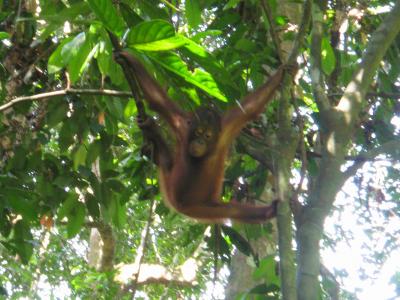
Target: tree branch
69,91
373,94
356,158
303,30
273,30
389,148
156,274
351,102
316,68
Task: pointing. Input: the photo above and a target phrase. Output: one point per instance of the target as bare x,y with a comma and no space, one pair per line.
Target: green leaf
238,240
246,45
67,205
197,49
58,113
92,206
130,16
193,13
21,201
200,55
115,185
23,241
80,156
115,106
66,138
266,271
108,15
151,9
150,31
328,57
104,57
19,160
55,14
119,215
80,60
57,61
281,20
63,181
219,244
97,190
206,82
201,35
199,78
130,109
93,152
4,35
231,4
162,45
76,218
263,289
71,48
107,64
155,35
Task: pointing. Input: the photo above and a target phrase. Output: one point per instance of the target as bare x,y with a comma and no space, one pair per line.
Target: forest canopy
81,212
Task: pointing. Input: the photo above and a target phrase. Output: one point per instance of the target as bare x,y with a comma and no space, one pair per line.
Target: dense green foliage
71,162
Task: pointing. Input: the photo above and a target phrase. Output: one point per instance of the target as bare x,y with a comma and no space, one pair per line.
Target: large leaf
106,62
208,61
21,202
75,54
106,12
199,78
150,31
155,35
57,61
72,48
162,45
80,60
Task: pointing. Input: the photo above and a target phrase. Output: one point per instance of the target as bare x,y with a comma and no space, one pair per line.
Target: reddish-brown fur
193,187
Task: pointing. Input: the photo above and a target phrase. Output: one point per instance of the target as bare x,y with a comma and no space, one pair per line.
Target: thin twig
142,247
